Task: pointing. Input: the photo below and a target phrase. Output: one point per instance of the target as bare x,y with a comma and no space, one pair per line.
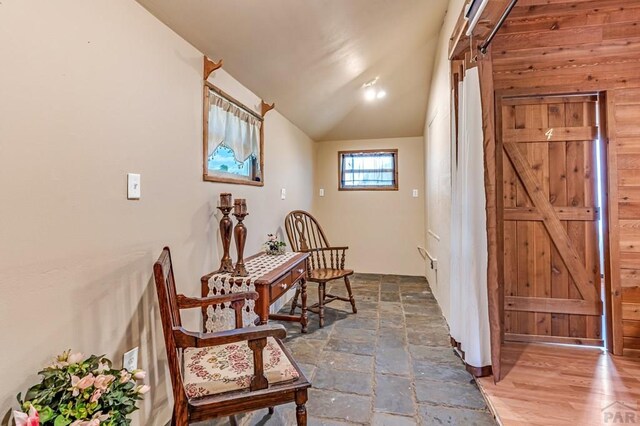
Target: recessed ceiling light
372,92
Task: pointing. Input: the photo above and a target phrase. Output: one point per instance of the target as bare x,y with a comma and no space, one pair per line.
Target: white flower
125,376
139,374
78,384
100,416
75,358
102,382
26,419
58,364
102,367
61,360
142,389
92,422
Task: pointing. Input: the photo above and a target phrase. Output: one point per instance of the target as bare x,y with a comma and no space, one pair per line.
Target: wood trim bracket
265,107
210,66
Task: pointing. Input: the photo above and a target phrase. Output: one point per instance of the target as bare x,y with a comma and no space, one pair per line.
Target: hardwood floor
562,385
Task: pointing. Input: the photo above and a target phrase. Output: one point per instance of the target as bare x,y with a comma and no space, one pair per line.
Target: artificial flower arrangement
273,245
76,391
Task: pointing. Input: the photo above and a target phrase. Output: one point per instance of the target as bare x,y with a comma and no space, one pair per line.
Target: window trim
393,187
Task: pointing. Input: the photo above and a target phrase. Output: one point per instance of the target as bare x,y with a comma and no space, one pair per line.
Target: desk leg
262,304
303,294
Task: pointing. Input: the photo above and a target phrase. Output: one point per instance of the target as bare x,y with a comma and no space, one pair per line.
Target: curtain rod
229,98
483,47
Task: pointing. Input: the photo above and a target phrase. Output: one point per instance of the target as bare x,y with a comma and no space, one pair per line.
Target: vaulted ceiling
311,57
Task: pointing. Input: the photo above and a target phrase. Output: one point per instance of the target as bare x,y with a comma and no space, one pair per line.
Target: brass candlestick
240,233
226,228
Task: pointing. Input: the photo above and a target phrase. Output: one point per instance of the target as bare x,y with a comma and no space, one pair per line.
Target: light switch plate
283,193
322,192
133,186
130,359
415,193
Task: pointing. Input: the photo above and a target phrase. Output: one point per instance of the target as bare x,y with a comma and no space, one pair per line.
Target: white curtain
233,127
469,318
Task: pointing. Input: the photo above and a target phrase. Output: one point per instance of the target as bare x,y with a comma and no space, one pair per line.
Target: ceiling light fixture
371,92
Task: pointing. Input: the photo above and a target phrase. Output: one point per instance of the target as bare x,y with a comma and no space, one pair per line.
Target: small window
223,161
368,170
233,140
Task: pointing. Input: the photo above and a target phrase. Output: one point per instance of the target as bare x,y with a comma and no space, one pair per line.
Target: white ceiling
311,57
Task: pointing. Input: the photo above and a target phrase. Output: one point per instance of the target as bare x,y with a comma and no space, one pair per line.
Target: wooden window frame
393,187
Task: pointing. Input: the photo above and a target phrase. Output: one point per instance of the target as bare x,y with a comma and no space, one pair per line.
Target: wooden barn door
552,286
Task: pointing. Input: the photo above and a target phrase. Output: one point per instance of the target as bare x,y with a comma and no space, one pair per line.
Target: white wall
89,92
438,164
382,228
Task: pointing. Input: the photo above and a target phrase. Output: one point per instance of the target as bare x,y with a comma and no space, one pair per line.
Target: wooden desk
272,277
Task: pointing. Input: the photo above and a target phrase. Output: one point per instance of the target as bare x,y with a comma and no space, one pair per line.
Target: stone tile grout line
412,375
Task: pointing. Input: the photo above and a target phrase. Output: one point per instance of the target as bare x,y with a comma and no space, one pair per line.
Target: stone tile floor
390,364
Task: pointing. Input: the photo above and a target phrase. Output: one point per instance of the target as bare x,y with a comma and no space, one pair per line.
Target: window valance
233,127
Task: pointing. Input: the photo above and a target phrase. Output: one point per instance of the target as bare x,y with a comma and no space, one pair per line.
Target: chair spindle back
306,235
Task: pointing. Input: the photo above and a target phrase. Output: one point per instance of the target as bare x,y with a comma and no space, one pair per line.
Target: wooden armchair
325,263
229,372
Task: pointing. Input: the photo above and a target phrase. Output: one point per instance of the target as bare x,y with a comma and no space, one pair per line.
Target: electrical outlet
283,193
322,192
130,359
415,193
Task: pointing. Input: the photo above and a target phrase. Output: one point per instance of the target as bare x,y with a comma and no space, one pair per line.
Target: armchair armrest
189,339
185,302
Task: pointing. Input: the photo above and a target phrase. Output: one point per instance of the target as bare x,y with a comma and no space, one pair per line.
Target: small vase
275,251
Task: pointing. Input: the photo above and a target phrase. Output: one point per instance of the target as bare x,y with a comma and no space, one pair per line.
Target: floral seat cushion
225,368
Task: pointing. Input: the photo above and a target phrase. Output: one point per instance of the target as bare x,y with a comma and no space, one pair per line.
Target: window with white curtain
233,140
368,170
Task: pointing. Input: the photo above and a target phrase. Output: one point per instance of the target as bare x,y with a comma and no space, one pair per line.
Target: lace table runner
222,317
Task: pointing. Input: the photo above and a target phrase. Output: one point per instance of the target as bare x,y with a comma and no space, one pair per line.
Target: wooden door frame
492,178
606,169
613,290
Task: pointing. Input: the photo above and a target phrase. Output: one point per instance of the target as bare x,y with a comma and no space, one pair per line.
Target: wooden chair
325,263
229,372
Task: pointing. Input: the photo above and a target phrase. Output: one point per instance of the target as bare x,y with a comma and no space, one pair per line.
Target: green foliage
74,389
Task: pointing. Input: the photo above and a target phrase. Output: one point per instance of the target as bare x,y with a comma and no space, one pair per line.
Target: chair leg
271,410
303,296
294,304
321,295
233,421
301,410
351,299
180,416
